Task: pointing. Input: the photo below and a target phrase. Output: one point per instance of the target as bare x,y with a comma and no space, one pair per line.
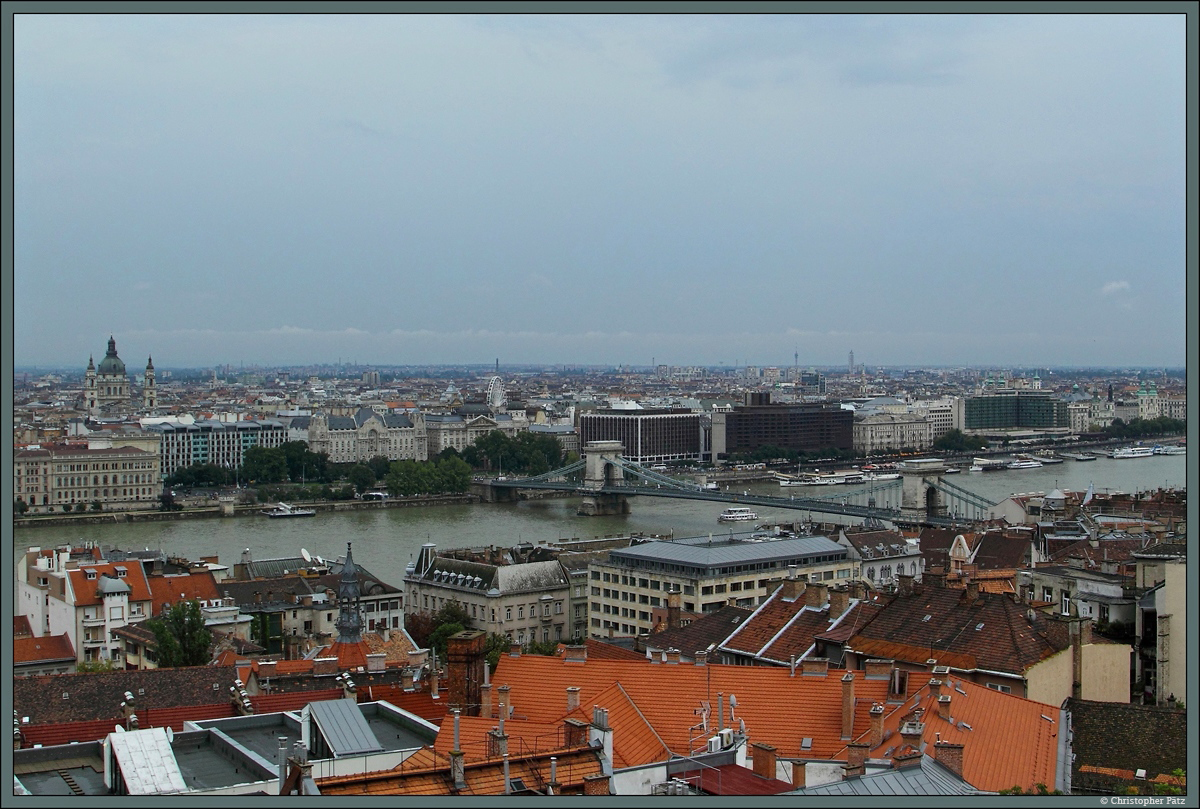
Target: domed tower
89,386
112,383
149,391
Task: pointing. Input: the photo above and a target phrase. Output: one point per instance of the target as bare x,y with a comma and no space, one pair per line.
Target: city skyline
980,190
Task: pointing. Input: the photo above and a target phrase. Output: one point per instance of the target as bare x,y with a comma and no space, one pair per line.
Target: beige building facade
62,479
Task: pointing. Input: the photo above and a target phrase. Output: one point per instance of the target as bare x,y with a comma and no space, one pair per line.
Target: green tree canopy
181,636
362,477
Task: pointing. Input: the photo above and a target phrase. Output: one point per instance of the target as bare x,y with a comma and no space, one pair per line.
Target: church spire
349,622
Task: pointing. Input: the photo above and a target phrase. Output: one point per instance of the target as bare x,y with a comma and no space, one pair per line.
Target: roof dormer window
91,574
121,572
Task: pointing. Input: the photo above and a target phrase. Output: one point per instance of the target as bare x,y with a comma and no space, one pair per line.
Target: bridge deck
794,503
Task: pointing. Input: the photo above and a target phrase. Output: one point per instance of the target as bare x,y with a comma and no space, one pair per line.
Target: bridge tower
920,498
603,469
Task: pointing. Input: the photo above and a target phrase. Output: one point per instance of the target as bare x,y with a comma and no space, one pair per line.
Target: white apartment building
85,601
709,573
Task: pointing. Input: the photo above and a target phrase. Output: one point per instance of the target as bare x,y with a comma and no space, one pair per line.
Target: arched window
871,573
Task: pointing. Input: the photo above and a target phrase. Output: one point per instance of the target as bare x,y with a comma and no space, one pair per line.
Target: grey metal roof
716,552
147,763
345,729
930,778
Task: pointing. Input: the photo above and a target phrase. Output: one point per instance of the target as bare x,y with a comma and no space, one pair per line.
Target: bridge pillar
603,505
919,498
602,468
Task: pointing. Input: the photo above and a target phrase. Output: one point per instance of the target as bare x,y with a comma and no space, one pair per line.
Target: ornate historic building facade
107,386
367,434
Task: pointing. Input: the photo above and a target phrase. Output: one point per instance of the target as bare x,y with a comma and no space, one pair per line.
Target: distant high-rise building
850,367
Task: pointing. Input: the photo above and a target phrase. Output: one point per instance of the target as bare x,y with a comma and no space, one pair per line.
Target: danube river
385,540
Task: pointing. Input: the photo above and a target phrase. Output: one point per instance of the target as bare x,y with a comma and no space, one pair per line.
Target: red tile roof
1007,740
166,590
46,648
420,703
292,701
523,737
777,708
85,588
21,627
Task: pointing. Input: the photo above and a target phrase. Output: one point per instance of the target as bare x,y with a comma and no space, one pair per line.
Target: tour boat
1026,463
284,510
1133,452
737,514
1170,450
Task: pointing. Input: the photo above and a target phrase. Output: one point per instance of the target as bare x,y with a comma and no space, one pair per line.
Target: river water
385,540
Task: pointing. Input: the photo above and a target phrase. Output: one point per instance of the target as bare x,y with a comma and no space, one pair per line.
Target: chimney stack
856,759
764,760
904,584
814,595
943,706
503,707
674,607
572,698
876,737
673,655
935,687
847,704
949,756
793,586
972,591
575,654
817,666
839,602
702,658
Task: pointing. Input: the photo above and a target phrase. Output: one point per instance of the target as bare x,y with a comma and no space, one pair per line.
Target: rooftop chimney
814,595
847,704
943,706
674,607
856,758
572,698
673,655
876,737
878,668
839,602
949,756
935,687
793,586
575,654
904,584
817,666
972,591
764,760
702,658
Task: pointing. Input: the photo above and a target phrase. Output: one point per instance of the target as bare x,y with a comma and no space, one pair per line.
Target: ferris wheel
495,393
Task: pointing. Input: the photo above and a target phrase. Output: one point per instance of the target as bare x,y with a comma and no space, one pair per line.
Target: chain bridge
605,480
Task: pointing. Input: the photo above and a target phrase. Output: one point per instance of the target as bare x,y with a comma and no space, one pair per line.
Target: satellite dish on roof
305,554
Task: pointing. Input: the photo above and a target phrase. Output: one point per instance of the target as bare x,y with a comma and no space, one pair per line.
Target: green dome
111,365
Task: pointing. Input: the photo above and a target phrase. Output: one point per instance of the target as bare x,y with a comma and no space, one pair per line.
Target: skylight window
926,618
978,627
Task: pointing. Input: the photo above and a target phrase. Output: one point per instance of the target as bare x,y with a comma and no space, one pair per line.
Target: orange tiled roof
293,700
418,776
1006,739
49,647
349,655
85,588
778,709
396,647
891,650
21,627
166,590
527,737
420,703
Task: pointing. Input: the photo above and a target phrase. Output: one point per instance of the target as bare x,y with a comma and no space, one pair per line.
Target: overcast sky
925,190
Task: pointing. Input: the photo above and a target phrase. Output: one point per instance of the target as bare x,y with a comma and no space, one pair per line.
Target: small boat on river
284,510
